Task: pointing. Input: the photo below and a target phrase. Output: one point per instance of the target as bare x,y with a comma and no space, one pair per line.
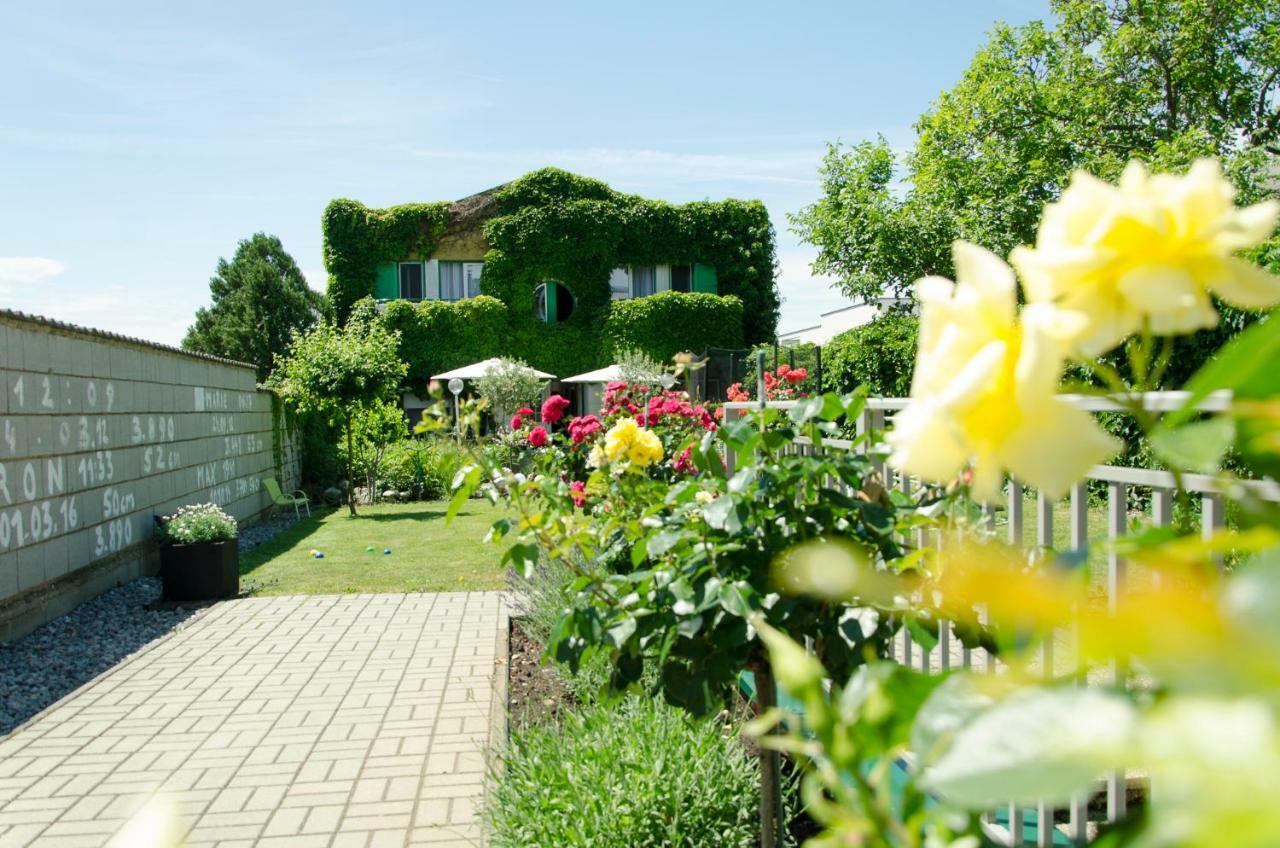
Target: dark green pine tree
260,298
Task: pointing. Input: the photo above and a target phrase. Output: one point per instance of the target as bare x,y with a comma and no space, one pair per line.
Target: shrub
664,324
880,355
635,774
638,367
508,386
424,468
543,597
192,525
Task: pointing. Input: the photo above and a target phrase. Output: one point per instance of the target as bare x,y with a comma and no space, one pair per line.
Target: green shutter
704,279
386,285
551,302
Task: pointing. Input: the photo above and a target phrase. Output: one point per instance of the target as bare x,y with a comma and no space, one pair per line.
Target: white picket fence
1076,824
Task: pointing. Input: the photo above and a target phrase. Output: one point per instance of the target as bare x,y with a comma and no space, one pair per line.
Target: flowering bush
1125,263
195,524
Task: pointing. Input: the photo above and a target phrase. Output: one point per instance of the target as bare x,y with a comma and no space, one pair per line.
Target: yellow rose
646,448
1153,247
619,438
985,383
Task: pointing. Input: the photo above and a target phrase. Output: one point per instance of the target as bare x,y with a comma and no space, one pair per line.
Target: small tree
260,299
340,373
376,426
636,366
508,386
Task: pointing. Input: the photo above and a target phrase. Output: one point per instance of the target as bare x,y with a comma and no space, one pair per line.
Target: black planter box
207,571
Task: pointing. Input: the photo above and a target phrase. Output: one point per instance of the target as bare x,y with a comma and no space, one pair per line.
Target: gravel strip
68,652
251,537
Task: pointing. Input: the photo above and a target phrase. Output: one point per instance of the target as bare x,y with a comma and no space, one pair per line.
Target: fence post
770,764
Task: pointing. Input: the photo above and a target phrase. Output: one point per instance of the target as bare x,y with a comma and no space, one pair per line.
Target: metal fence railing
1029,520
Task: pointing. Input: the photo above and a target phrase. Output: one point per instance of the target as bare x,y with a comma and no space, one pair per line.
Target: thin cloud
779,167
27,270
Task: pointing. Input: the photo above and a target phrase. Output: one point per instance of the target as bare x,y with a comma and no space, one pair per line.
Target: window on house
411,280
471,276
681,278
459,279
552,302
452,285
619,284
644,280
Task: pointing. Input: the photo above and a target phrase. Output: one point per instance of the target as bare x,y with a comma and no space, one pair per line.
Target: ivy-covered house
558,270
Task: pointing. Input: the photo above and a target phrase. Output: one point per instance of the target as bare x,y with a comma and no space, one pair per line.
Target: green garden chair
280,499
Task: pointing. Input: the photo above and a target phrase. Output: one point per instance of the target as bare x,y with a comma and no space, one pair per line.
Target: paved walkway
359,720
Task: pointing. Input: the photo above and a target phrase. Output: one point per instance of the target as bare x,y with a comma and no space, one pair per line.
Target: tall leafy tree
1161,80
342,374
260,299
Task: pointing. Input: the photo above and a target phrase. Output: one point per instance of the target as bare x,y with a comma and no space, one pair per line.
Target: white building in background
833,323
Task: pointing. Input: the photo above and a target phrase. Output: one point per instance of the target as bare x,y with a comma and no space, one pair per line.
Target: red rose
516,422
538,437
553,409
524,410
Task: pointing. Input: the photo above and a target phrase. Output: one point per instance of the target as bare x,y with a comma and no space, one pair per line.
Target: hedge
880,355
437,335
668,323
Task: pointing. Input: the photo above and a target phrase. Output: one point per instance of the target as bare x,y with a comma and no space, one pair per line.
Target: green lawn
427,554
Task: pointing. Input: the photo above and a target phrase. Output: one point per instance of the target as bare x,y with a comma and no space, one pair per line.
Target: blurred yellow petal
1244,284
1152,248
1056,448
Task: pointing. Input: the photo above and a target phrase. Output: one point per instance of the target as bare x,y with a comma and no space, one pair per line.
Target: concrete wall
99,434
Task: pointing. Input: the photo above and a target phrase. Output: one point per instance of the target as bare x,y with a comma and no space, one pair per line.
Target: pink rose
553,409
516,422
578,492
580,429
538,437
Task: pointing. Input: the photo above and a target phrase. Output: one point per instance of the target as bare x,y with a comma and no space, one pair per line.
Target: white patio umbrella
609,374
478,369
593,383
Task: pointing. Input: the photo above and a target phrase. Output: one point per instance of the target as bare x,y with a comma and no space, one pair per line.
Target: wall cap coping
62,326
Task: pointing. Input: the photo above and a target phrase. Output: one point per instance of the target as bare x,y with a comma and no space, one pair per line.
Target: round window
552,302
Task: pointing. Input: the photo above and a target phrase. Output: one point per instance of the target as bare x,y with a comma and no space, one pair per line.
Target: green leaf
807,409
1198,446
952,705
832,407
523,557
1038,744
735,598
722,514
498,530
465,483
924,632
1246,365
621,631
661,542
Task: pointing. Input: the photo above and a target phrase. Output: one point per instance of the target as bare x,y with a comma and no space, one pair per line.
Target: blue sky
139,142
